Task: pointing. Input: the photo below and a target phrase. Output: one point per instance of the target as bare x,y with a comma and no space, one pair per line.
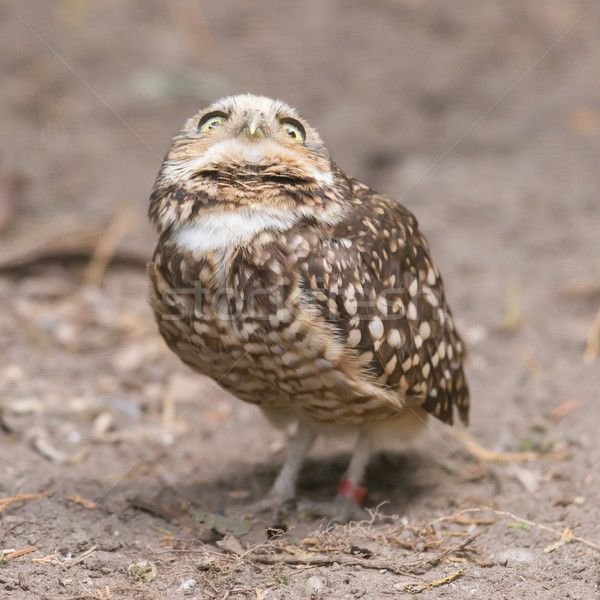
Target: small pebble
187,585
25,406
65,334
12,373
314,587
513,556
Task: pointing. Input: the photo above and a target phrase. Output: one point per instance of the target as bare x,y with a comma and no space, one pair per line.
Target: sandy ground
483,118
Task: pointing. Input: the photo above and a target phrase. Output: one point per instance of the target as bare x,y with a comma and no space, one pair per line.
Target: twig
589,288
486,455
51,559
564,409
4,502
18,553
592,349
76,499
107,246
445,554
82,556
417,589
504,513
209,584
63,239
323,561
350,561
513,312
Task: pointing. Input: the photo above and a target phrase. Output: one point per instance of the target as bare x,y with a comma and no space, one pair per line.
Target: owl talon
340,511
285,509
345,510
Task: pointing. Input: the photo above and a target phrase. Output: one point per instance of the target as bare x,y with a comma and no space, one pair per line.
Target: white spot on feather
411,311
413,288
376,328
354,337
391,365
394,338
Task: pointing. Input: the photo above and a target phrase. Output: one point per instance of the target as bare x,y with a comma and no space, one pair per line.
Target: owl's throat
230,229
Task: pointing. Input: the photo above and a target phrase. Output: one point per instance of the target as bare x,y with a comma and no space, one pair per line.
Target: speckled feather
295,286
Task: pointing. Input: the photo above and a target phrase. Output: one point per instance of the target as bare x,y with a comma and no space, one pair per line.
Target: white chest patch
222,231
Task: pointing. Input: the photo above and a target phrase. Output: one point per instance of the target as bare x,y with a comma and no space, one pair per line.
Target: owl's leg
347,504
351,493
284,487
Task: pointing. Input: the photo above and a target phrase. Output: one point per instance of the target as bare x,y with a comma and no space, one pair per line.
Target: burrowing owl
298,288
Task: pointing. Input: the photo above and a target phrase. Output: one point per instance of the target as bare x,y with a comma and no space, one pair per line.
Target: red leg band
354,492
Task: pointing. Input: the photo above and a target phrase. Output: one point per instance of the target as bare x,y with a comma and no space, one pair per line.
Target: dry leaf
564,409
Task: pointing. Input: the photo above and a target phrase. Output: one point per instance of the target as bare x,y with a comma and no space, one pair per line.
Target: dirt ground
482,117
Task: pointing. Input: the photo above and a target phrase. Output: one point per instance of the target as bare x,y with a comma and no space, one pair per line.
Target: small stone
25,406
79,404
514,556
187,585
102,423
66,334
232,545
128,358
12,373
314,587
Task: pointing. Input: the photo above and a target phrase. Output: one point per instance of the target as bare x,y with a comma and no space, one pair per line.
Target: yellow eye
294,129
211,121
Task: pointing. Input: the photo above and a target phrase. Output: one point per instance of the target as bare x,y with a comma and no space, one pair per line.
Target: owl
300,289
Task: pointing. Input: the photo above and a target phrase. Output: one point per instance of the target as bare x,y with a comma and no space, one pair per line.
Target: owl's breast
243,319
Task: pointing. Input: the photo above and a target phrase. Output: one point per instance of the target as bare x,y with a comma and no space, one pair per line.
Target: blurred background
482,117
93,92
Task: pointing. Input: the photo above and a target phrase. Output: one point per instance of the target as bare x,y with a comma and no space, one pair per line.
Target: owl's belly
280,360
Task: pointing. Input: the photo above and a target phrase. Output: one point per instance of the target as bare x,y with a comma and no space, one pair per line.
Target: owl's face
249,133
243,152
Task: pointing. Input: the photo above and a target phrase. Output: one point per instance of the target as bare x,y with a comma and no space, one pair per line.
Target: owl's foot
342,510
273,502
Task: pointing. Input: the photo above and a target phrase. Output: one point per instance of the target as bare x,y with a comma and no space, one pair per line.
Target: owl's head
243,153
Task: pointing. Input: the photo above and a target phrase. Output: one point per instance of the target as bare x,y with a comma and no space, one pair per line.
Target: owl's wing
376,283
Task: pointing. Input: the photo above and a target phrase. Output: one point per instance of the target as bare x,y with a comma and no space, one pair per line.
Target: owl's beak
254,128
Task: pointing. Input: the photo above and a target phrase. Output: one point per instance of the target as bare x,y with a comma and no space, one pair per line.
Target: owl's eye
294,129
211,121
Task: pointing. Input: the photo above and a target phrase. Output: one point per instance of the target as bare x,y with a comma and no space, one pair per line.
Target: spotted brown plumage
296,287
